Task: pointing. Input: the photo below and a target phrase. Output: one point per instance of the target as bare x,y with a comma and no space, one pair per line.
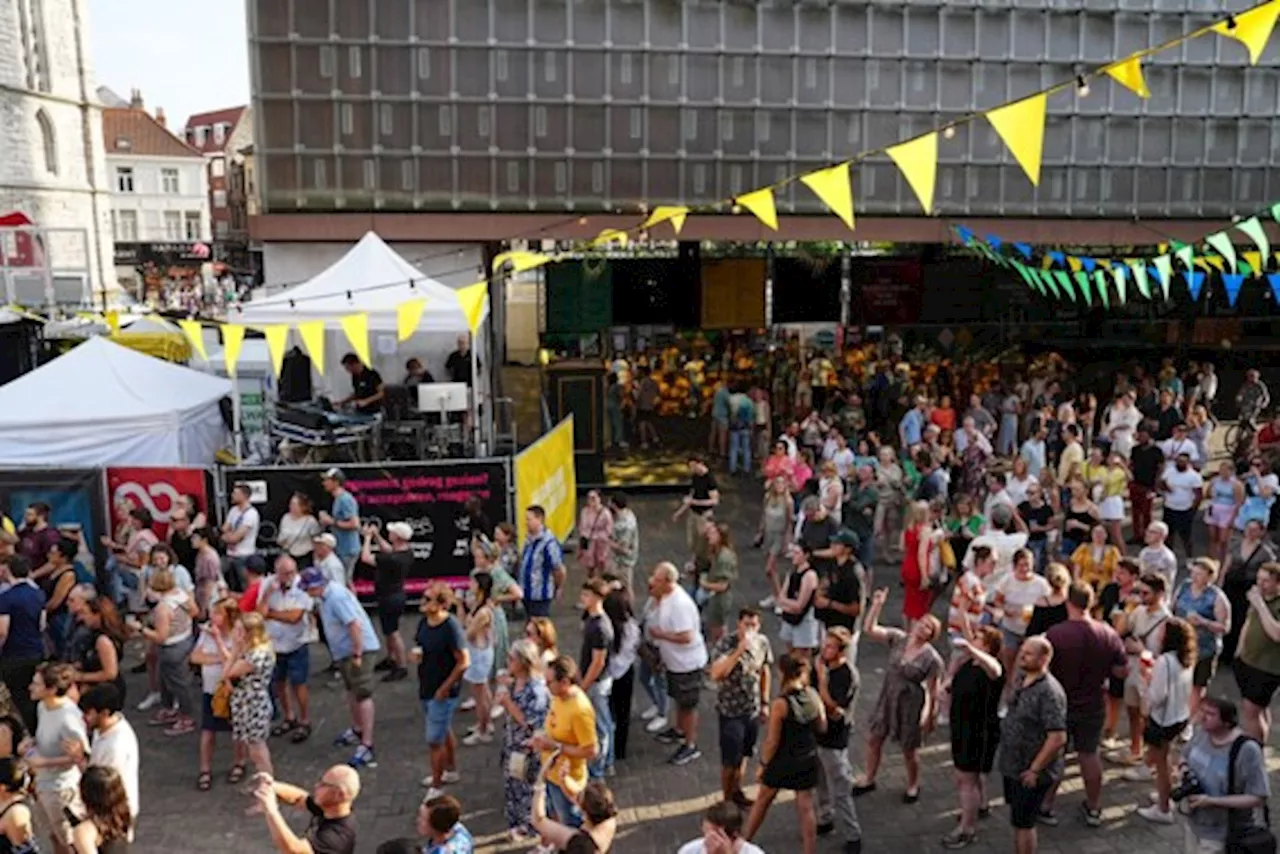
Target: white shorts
805,635
1111,509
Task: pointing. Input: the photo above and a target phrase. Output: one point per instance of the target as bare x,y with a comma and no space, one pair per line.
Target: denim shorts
480,667
294,666
439,714
805,635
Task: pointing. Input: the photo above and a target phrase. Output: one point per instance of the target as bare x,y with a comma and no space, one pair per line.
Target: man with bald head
1032,737
333,826
675,627
286,608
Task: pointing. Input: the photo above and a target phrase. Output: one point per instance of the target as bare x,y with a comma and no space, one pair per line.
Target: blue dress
533,700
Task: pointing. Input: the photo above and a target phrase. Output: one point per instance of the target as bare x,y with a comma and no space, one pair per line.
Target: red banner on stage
156,490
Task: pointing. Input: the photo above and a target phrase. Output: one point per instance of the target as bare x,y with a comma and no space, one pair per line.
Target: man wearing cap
839,599
391,566
240,534
286,608
344,520
324,558
352,643
542,571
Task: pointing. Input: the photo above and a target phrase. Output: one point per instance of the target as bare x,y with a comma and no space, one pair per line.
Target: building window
811,73
218,167
561,177
539,122
673,70
385,119
219,134
201,133
172,225
354,58
501,63
191,222
624,69
690,124
124,179
169,182
406,176
424,63
597,177
348,114
319,176
445,121
31,22
219,198
637,123
726,127
762,127
739,70
549,66
699,178
49,141
513,177
735,179
223,229
370,174
127,222
326,60
483,122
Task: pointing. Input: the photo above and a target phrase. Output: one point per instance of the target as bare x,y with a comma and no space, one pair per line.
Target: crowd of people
1045,614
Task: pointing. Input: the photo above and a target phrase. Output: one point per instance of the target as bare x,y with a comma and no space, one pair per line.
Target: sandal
860,789
236,774
300,733
204,782
285,726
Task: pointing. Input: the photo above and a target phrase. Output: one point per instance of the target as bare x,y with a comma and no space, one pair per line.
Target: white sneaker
649,713
766,602
432,793
658,724
496,712
478,737
1137,774
450,776
468,704
1154,814
149,702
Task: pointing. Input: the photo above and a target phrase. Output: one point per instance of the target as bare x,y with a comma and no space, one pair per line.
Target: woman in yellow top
1115,485
1094,473
568,742
1095,562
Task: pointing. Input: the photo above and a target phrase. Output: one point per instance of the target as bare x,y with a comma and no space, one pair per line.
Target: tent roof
101,382
378,281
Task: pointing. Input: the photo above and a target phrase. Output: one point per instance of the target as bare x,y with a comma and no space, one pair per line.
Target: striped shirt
538,563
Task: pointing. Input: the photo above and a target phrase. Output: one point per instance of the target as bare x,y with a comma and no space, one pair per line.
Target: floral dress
251,697
899,708
533,700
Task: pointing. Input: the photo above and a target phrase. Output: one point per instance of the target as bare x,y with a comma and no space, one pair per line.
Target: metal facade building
550,106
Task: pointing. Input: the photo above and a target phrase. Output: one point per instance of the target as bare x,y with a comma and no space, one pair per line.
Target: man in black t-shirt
367,388
179,537
391,567
696,507
458,365
333,827
1036,514
840,592
837,681
816,533
597,644
1146,461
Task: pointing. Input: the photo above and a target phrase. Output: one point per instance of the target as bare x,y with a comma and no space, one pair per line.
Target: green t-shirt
973,524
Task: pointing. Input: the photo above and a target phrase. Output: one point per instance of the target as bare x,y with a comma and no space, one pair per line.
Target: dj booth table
324,434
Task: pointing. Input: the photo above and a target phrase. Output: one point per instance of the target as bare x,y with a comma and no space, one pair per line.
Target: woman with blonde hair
1095,562
249,666
917,542
1204,606
211,651
717,582
542,632
522,691
1115,486
171,634
1224,495
1051,608
595,531
777,519
831,490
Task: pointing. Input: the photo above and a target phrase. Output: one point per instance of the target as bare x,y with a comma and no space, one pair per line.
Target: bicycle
1240,439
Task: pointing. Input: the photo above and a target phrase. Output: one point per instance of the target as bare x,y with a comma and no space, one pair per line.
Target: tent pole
475,401
235,420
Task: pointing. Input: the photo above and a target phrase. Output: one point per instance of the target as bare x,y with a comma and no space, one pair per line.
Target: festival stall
102,404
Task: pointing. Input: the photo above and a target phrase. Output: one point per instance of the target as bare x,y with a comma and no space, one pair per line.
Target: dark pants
620,709
1180,523
1140,500
538,607
17,676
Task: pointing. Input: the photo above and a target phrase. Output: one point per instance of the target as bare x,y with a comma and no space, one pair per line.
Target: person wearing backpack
1224,782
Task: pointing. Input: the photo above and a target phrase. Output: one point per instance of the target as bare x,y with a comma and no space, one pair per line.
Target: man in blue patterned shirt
542,571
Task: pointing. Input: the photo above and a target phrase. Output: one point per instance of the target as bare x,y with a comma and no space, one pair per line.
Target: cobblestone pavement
660,804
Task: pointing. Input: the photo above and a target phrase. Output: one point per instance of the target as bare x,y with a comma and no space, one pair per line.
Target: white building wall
149,201
74,196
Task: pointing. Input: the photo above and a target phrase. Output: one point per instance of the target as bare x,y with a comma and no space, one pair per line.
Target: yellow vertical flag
674,214
472,298
832,187
1129,75
277,336
408,315
312,332
760,203
356,327
918,161
232,341
113,321
195,334
1252,28
1021,126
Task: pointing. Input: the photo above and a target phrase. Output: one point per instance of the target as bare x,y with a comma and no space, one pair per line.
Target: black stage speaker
577,388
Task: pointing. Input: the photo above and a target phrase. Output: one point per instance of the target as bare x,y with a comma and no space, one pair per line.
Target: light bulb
949,132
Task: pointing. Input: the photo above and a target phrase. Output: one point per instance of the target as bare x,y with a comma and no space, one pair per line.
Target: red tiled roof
126,130
230,115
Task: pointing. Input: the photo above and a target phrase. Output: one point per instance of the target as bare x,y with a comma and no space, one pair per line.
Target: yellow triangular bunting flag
277,339
1021,126
356,326
675,214
195,334
1129,75
610,236
232,340
832,187
520,260
1074,263
312,332
1252,28
1254,260
472,298
760,203
918,160
408,314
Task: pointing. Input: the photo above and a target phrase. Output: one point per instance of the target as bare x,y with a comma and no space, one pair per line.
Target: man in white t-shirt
1182,487
1179,444
1156,557
115,744
722,833
676,628
240,533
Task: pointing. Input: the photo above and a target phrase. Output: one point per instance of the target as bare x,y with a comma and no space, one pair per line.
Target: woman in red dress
916,541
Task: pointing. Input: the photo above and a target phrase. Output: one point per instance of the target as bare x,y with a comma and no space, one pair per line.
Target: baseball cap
311,578
845,537
328,539
400,530
334,473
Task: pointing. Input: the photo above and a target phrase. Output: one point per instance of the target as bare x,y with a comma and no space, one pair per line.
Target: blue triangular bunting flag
995,242
1024,248
965,235
1195,282
1089,263
1274,279
1231,283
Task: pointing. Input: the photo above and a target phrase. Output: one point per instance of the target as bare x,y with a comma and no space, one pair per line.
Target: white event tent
372,278
103,404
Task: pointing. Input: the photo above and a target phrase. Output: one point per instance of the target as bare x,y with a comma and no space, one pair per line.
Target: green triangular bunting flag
1140,278
1082,278
1222,243
1065,281
1046,276
1100,278
1186,254
1253,228
1164,266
